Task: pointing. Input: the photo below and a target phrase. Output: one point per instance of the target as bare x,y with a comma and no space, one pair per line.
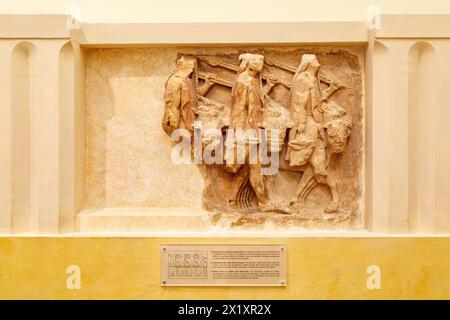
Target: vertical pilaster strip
67,137
441,83
398,138
5,137
422,136
380,137
22,60
80,127
45,138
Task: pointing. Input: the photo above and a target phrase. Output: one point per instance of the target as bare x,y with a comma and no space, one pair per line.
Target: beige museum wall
408,134
105,11
43,112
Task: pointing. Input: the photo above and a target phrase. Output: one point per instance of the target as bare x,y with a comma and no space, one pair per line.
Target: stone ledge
226,33
181,220
142,220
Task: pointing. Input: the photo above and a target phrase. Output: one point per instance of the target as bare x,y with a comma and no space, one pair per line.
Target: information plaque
223,265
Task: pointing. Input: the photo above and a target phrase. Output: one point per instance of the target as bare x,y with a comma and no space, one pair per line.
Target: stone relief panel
267,135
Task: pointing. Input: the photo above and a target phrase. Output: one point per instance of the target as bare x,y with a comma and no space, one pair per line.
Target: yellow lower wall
318,268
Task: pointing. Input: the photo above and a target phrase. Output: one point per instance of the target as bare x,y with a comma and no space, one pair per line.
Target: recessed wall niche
128,154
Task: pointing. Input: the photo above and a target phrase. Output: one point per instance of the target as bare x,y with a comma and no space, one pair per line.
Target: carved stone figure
181,96
307,139
246,113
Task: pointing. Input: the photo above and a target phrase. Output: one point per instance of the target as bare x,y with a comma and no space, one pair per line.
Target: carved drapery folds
280,132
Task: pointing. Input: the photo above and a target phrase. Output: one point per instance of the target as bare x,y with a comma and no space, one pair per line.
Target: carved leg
329,180
311,185
334,206
319,163
332,161
308,174
257,183
238,180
